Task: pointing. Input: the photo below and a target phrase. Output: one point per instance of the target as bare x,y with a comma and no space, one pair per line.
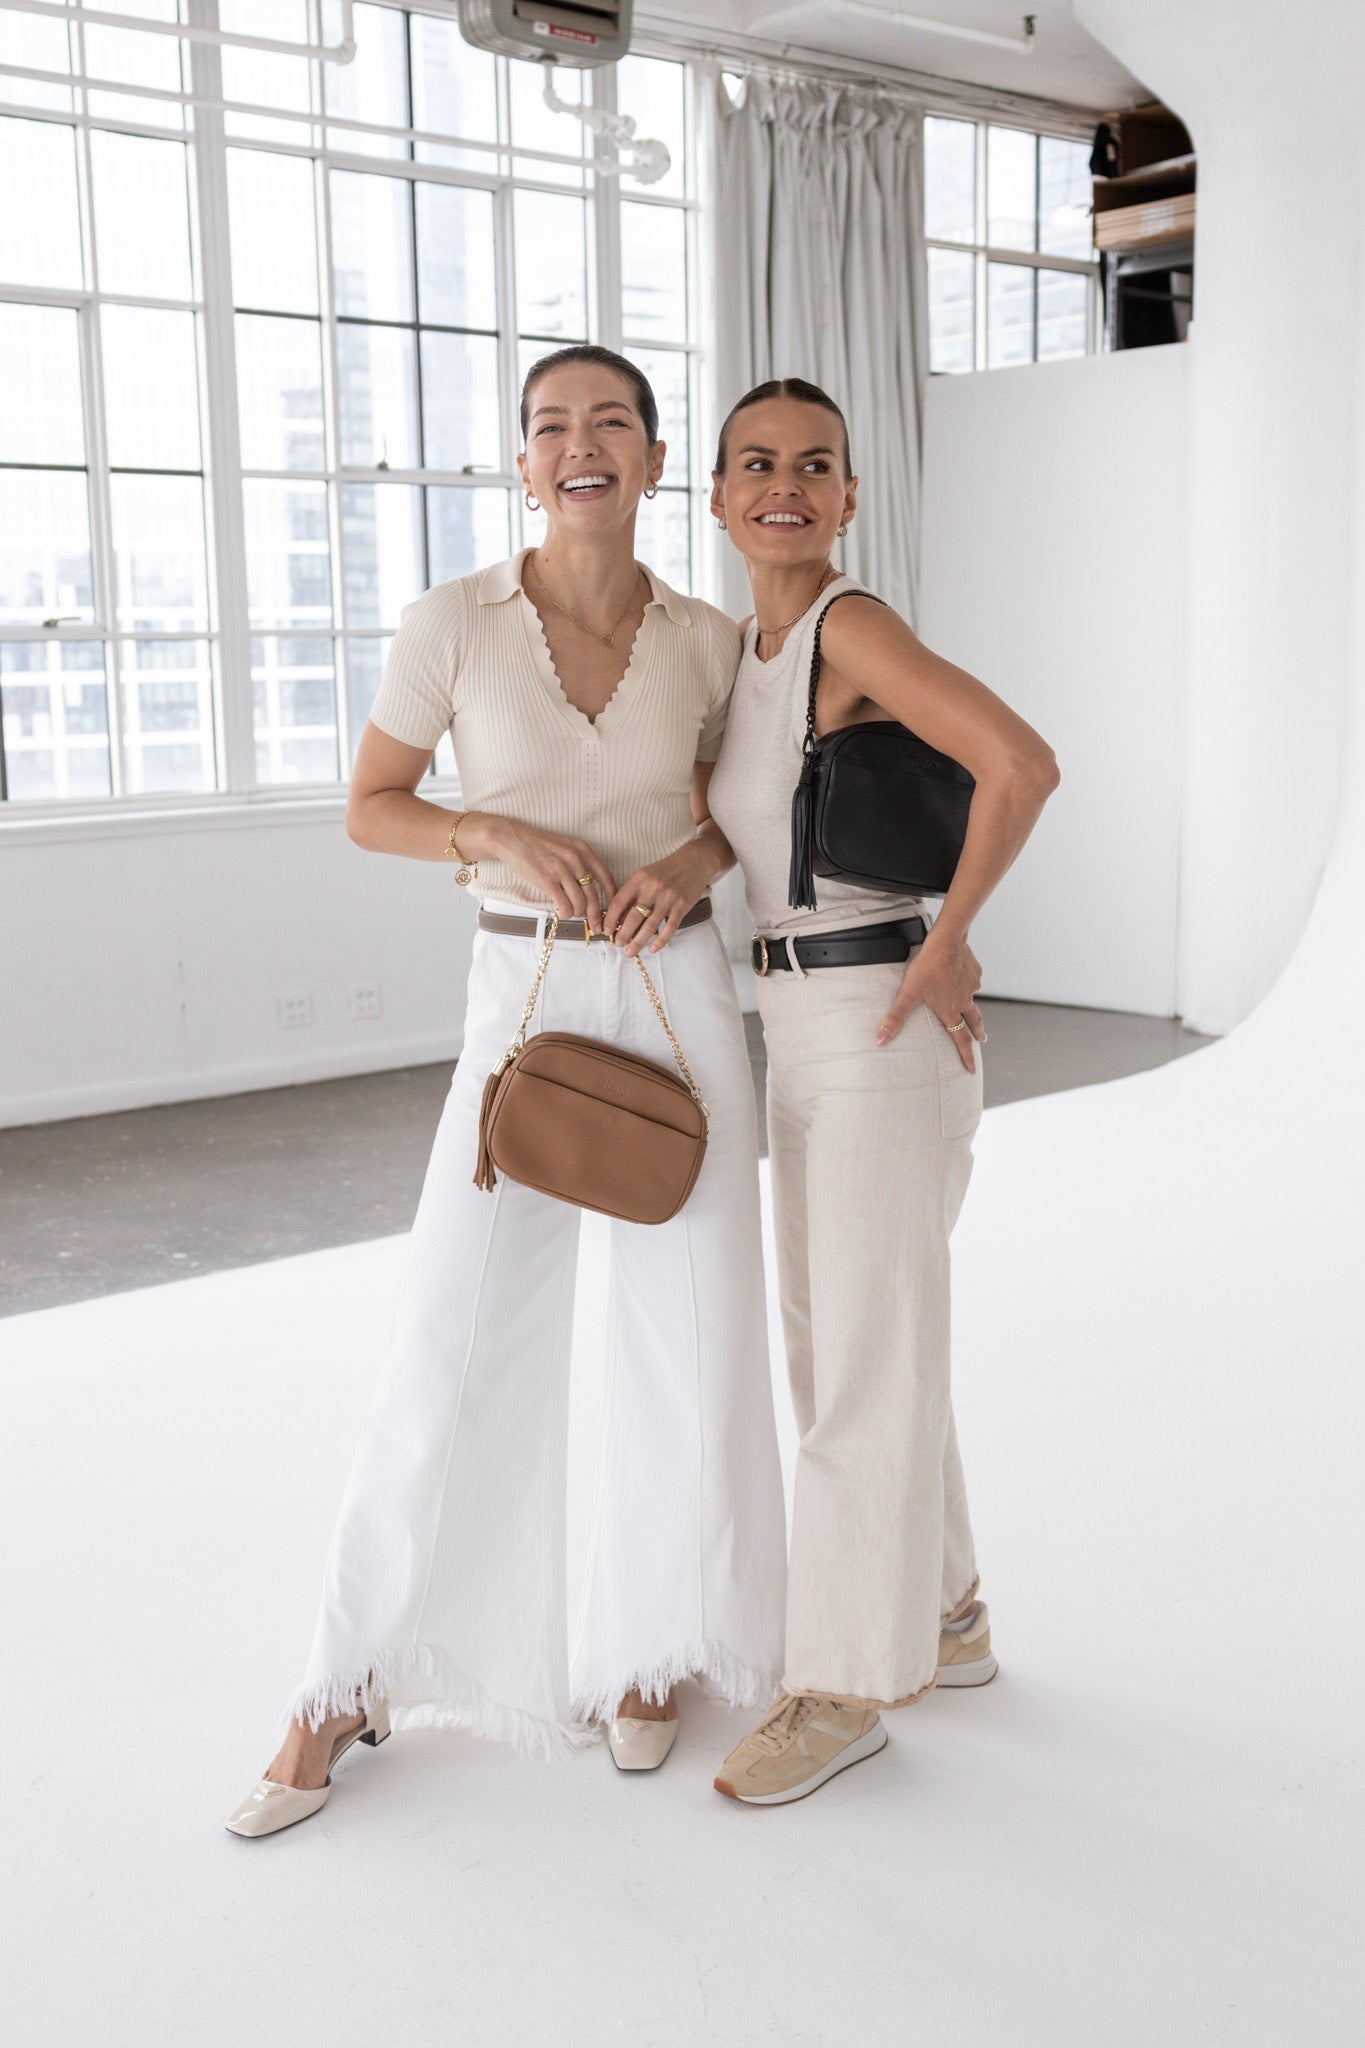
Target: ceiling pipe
893,16
342,52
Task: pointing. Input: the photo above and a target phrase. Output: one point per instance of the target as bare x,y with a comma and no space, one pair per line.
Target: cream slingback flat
640,1745
269,1806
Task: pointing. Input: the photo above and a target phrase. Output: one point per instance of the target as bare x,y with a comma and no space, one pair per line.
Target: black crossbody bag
876,806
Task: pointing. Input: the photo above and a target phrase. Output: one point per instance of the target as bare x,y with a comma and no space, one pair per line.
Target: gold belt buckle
762,945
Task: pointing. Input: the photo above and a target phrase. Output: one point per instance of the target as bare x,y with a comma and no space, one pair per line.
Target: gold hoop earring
651,490
532,504
721,523
842,531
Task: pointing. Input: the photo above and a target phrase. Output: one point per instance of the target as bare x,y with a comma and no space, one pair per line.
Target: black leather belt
864,946
571,927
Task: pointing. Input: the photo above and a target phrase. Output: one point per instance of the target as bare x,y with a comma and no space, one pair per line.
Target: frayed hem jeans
871,1154
445,1584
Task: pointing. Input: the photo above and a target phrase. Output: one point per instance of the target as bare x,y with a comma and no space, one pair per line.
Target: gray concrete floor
101,1204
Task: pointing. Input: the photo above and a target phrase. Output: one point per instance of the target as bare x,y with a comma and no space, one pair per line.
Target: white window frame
984,253
229,633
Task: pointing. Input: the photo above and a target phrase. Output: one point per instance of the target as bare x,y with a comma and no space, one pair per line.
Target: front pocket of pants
959,1092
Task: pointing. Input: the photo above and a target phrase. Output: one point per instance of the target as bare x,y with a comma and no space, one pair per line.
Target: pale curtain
818,217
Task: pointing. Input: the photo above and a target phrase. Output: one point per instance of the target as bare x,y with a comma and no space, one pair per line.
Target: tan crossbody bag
590,1124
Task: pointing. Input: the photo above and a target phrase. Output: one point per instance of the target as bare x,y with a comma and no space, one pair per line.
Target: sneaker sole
857,1752
979,1672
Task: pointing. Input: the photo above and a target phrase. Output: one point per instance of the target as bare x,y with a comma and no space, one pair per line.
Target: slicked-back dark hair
783,387
646,403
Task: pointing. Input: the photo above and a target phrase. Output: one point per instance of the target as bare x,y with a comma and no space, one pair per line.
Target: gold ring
645,909
583,881
961,1025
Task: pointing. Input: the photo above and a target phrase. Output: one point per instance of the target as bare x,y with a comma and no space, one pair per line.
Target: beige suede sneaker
964,1650
804,1741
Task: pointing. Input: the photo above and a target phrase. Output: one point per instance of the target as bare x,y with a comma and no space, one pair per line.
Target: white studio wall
1269,97
167,945
1054,567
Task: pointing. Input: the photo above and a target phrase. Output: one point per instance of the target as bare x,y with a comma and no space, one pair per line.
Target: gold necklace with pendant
607,639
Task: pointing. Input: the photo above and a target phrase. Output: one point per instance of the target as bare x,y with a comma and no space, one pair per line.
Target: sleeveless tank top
751,789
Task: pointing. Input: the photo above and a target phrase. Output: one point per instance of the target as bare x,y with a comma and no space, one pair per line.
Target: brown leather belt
571,927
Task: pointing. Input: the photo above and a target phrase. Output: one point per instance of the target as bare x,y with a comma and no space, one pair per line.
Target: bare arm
385,815
877,667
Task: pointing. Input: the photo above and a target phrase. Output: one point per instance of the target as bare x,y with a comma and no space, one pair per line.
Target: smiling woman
873,1037
585,700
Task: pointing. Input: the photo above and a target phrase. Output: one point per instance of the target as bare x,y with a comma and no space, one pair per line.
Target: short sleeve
415,702
724,642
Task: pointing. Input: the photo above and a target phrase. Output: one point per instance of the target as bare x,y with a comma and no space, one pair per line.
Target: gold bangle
464,873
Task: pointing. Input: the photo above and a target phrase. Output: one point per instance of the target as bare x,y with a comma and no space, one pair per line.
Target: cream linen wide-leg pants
445,1585
871,1155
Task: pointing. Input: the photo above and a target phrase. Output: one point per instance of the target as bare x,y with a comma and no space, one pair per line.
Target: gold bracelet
464,873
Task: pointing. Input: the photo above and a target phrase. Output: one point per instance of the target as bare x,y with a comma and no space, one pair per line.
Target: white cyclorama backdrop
151,954
1053,567
1271,99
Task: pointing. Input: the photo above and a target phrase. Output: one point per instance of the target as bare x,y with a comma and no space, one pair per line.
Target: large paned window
1011,264
263,322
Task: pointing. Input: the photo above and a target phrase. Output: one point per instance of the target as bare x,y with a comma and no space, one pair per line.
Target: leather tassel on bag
801,877
484,1176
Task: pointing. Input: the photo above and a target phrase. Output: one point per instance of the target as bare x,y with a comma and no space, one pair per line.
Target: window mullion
331,377
227,525
505,294
982,270
102,568
604,197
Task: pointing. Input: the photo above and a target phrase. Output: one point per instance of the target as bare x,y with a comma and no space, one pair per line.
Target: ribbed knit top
470,658
751,791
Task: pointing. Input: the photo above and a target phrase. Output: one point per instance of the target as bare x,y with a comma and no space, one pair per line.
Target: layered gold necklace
607,639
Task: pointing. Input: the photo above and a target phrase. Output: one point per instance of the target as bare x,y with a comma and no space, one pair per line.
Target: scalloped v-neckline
539,646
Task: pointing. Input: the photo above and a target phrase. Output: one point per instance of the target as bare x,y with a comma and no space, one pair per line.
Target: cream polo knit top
470,658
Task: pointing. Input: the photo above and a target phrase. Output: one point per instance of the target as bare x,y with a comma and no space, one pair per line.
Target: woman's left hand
946,976
648,907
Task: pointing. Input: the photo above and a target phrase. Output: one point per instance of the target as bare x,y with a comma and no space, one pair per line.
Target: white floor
1146,1831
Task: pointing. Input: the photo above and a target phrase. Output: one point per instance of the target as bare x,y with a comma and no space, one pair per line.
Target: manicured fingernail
883,1038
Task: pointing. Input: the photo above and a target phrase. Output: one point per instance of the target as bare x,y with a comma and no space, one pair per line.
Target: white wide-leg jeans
445,1584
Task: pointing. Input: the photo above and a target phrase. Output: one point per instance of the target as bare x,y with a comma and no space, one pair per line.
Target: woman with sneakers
874,1095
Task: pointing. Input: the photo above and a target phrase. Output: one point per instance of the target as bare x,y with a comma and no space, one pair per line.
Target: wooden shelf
1149,222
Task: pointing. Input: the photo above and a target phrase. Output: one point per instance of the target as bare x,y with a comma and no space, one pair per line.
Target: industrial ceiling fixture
583,33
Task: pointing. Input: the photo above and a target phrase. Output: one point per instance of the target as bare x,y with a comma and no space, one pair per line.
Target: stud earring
532,504
651,490
842,531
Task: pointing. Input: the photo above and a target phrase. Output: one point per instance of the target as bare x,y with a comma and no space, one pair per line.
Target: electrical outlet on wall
366,1000
294,1010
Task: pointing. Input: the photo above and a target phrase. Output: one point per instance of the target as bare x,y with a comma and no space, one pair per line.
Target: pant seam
567,1283
594,1550
697,1383
459,1407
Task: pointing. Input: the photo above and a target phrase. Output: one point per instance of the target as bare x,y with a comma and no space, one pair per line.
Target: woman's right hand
548,862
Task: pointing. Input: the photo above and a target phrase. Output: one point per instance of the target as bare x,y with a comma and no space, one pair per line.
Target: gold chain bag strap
590,1124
